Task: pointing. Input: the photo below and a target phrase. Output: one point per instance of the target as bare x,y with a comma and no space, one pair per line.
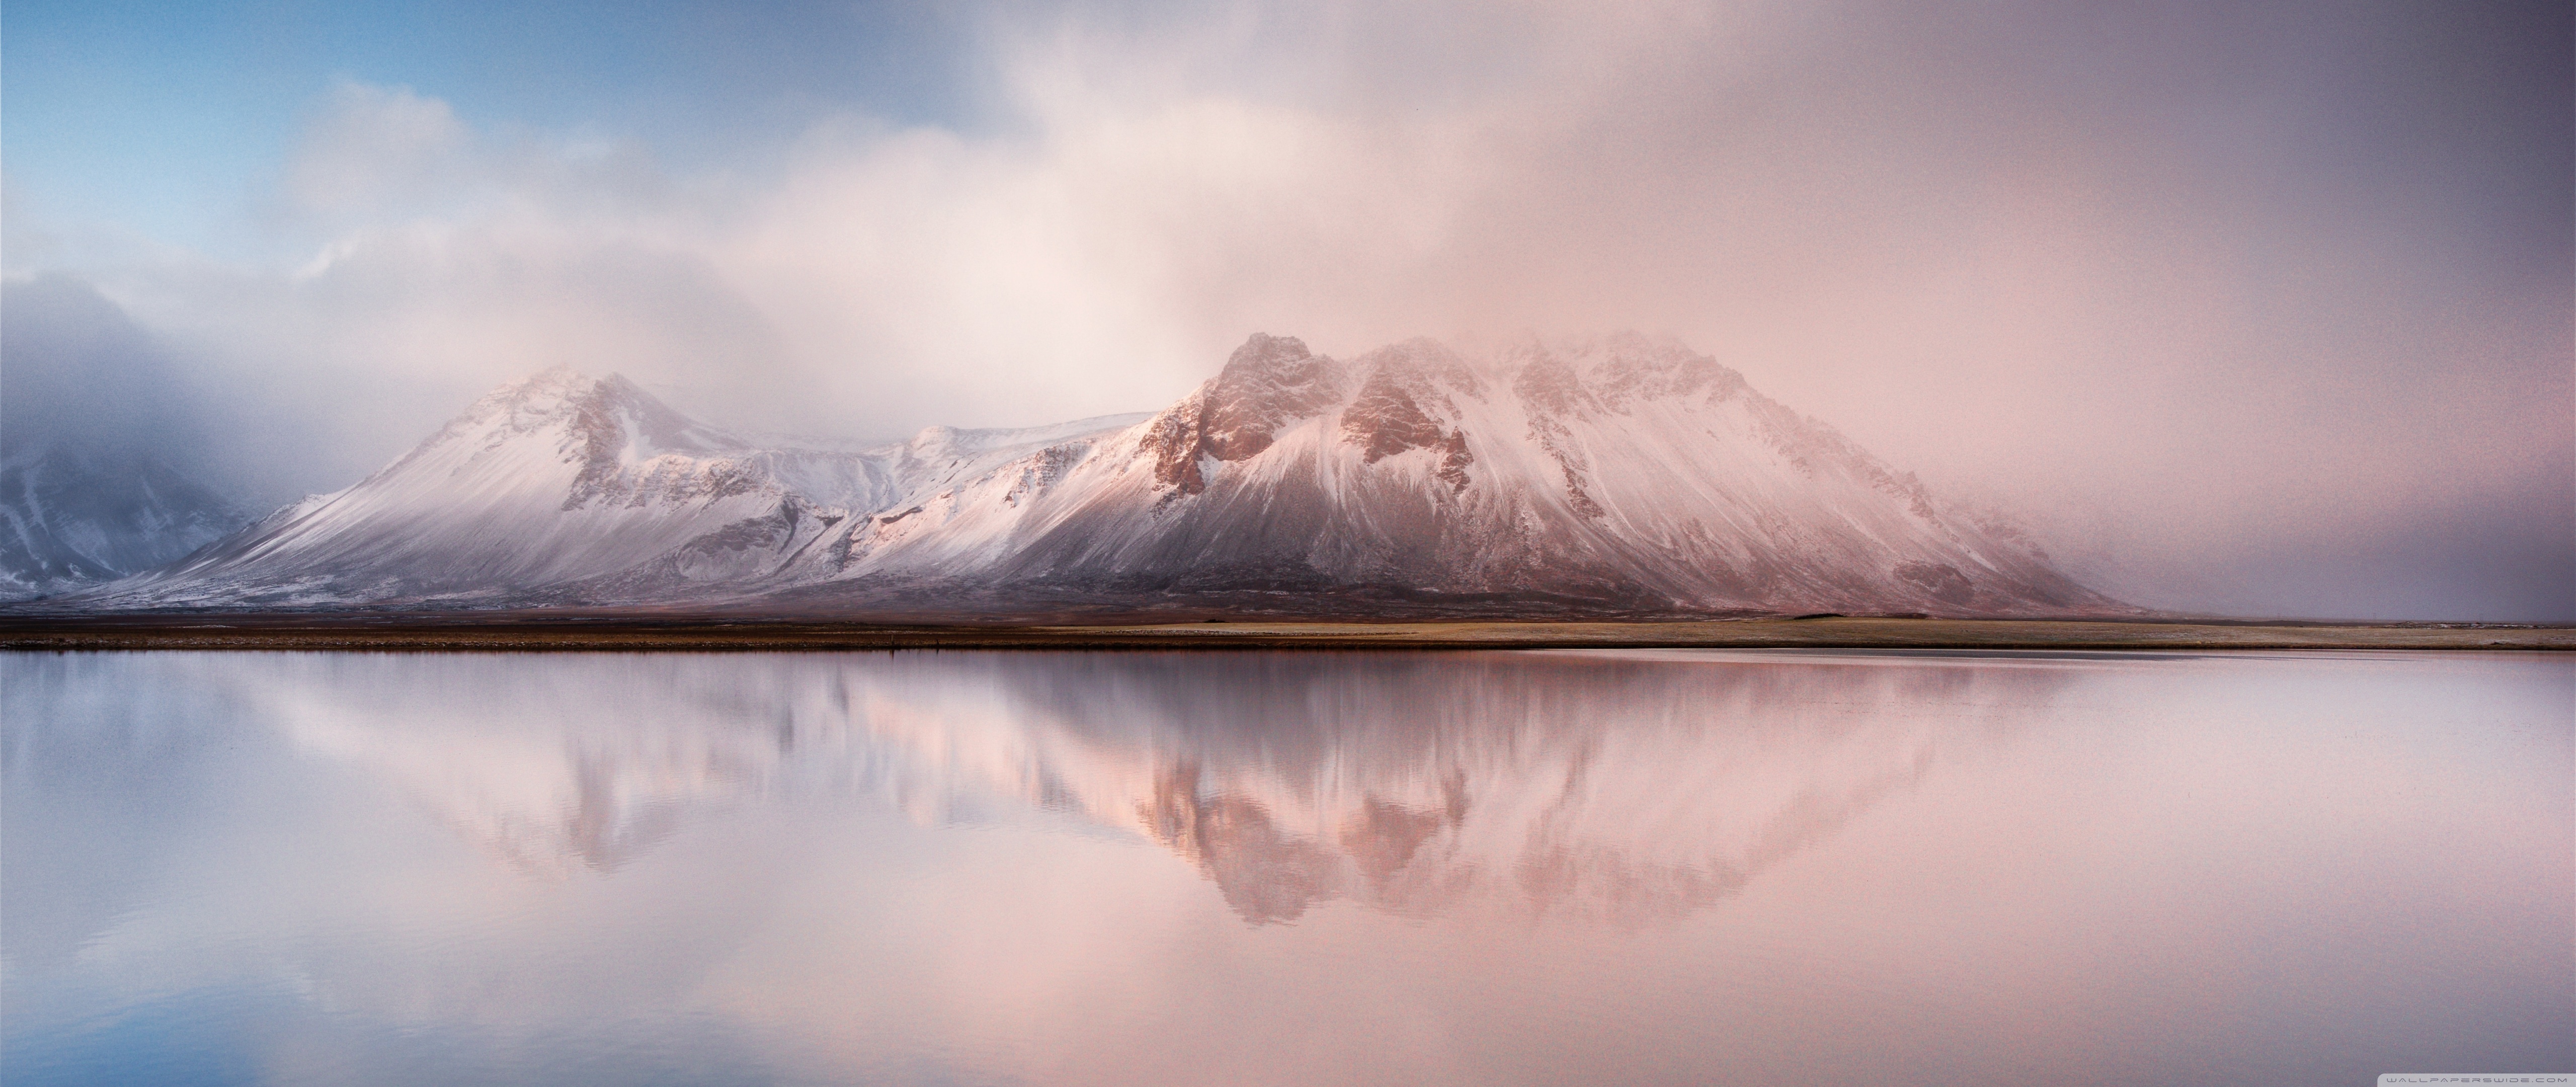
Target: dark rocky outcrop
1270,381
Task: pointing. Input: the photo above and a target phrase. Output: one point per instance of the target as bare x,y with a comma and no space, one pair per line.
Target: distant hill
102,464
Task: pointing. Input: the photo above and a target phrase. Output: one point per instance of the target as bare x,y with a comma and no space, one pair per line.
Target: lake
1476,868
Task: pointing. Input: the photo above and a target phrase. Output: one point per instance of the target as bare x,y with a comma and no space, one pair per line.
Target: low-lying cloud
2260,310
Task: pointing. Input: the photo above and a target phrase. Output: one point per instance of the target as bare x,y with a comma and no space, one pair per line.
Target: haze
2262,309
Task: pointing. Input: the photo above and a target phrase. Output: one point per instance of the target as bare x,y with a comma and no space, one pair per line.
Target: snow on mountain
72,517
1619,472
1615,474
561,488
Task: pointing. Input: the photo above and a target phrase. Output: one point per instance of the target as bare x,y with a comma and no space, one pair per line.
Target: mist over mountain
104,470
1614,475
2253,309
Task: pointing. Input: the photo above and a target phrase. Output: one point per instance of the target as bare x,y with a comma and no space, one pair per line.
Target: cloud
372,146
2209,292
83,377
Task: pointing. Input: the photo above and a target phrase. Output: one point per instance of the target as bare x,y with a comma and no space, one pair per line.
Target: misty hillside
1618,475
102,467
71,517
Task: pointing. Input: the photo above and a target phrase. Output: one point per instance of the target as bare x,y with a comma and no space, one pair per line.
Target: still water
1564,867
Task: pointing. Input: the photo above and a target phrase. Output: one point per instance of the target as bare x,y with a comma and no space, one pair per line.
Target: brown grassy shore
521,632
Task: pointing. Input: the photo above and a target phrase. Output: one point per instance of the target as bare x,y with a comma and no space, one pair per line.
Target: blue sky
172,118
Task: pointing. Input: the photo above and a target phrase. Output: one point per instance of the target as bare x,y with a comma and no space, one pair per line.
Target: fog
2245,308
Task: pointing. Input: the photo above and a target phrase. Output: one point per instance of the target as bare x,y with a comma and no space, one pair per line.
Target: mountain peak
529,401
1269,382
560,379
1263,352
562,396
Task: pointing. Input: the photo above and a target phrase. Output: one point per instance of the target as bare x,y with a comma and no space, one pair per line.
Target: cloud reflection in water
1590,785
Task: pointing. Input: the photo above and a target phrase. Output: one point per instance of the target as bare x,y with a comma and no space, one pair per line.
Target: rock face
1543,477
1269,383
1387,416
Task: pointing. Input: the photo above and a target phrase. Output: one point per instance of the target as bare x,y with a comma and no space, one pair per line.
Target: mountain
1616,475
565,488
104,470
71,517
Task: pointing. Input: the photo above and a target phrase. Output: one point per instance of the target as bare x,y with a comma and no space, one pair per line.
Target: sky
2254,308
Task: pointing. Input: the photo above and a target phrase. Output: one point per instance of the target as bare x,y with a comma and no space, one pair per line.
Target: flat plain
523,632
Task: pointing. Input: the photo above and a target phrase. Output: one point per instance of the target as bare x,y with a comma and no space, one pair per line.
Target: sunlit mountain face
1600,787
1619,475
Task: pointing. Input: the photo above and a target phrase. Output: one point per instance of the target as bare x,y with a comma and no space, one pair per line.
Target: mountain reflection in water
1280,867
1610,788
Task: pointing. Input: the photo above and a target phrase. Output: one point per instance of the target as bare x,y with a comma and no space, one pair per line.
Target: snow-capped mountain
562,488
1619,474
72,517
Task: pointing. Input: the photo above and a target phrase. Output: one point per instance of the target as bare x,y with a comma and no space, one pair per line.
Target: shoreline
416,633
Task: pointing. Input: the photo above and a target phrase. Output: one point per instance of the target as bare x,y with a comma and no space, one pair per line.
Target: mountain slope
73,517
1613,473
1541,477
562,488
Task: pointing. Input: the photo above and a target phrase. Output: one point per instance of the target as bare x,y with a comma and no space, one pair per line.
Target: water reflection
1434,868
1600,786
